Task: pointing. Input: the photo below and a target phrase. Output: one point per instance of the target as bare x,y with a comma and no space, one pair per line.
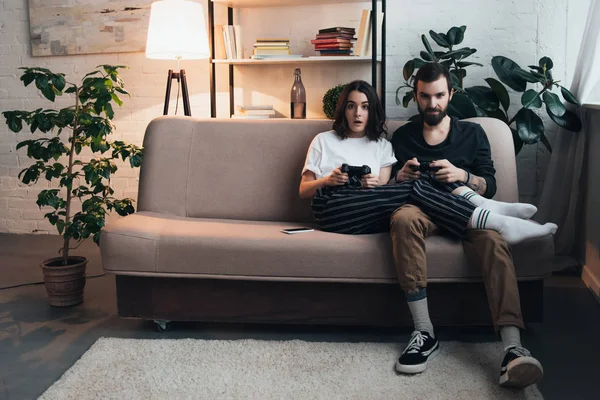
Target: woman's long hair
376,123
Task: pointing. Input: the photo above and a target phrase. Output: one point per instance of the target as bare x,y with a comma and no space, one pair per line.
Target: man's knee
409,219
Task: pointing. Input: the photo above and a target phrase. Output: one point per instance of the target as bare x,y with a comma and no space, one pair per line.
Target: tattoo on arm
478,184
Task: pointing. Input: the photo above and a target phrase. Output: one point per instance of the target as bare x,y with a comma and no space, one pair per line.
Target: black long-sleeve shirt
466,147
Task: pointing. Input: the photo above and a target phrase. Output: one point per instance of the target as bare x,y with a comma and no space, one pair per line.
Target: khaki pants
409,227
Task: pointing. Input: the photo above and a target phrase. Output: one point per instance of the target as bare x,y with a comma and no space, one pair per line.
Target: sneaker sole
417,368
522,372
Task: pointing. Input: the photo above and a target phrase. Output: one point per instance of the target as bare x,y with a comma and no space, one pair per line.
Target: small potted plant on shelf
330,100
89,123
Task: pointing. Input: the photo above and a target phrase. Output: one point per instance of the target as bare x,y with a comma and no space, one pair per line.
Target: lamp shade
177,31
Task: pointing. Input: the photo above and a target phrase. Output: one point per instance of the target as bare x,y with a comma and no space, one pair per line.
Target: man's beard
433,119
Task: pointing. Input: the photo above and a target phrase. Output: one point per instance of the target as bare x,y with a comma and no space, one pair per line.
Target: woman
359,206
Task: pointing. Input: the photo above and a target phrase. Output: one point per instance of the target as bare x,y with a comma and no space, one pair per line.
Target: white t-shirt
328,151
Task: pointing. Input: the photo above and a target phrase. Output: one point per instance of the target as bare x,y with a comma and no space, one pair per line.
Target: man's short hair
432,71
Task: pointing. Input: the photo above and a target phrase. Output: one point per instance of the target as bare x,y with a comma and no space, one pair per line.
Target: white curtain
562,200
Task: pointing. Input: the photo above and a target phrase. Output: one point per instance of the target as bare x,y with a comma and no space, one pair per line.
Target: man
461,151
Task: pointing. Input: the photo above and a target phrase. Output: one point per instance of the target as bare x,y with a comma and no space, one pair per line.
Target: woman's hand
406,173
337,177
370,181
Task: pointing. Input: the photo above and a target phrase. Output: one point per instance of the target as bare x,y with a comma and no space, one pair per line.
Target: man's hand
407,174
448,173
370,181
337,178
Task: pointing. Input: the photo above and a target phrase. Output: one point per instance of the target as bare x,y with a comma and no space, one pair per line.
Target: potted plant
330,99
493,100
89,123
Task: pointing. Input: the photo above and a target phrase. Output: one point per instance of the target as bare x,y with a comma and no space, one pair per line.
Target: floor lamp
177,31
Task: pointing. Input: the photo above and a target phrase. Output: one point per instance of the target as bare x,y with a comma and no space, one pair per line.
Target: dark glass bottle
298,98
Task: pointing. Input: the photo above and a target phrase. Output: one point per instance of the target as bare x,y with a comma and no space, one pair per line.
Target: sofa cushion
148,243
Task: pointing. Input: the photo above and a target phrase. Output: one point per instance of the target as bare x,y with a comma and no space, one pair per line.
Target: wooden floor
39,343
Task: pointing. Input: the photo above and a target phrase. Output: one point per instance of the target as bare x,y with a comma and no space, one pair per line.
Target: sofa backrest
250,169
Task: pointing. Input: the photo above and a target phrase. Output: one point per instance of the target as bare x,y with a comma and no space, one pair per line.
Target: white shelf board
281,3
315,59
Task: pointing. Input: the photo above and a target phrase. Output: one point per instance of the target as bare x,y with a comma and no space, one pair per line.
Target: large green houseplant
493,100
87,124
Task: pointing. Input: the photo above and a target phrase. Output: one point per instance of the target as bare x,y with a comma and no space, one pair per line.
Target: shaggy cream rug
252,369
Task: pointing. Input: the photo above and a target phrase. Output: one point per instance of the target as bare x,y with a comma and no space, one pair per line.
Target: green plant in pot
330,100
66,132
493,100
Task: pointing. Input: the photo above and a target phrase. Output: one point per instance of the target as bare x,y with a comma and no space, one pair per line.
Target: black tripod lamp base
180,76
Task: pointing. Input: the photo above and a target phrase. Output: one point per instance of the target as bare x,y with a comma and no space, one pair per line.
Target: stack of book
336,41
272,48
254,112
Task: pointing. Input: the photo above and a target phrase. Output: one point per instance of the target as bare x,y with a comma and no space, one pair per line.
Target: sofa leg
162,325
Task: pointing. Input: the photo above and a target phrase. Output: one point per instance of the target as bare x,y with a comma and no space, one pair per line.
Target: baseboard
591,281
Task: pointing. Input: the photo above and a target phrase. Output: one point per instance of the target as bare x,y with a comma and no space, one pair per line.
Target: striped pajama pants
355,210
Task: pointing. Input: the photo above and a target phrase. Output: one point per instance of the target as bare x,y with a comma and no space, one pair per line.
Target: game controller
355,170
425,167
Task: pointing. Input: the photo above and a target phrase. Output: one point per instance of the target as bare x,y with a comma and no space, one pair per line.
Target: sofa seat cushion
155,244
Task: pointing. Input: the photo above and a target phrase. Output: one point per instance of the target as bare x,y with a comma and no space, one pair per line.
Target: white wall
523,30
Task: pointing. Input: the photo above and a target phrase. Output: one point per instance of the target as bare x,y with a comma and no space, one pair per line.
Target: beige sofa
206,244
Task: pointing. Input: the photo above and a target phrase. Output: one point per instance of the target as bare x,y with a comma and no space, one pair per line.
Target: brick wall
523,30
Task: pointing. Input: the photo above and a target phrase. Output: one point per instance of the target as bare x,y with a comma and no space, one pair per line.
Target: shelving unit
231,4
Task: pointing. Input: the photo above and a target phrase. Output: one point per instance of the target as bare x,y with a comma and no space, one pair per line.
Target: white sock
513,230
511,336
518,210
420,314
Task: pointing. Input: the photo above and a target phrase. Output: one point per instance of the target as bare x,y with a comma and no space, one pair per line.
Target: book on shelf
256,112
335,35
261,52
331,41
228,42
255,107
238,116
340,29
364,36
275,56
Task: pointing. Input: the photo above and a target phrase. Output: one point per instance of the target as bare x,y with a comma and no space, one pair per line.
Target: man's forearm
477,183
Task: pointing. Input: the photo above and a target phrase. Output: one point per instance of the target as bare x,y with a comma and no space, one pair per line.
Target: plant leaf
570,121
529,126
483,97
427,56
408,69
427,46
460,53
455,35
568,96
553,103
500,92
440,38
408,96
526,76
531,99
461,107
547,62
463,64
498,114
518,143
504,68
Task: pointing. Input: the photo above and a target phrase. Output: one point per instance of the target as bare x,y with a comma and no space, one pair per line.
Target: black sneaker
519,369
420,348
